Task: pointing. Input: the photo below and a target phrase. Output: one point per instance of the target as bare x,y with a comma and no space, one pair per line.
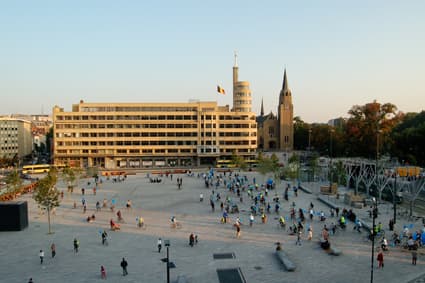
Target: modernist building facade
276,132
15,138
142,135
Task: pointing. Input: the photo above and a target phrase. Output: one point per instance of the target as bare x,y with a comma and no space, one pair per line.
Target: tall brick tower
285,117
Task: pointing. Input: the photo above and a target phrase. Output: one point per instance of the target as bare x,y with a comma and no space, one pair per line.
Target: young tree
265,166
239,161
46,194
14,182
69,176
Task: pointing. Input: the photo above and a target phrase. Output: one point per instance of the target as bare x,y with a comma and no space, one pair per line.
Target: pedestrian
159,245
201,197
102,272
414,256
310,233
380,259
191,240
124,265
30,281
337,211
53,249
238,231
104,238
298,242
76,245
41,256
251,219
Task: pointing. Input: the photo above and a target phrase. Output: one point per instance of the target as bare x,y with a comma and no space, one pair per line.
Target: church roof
262,118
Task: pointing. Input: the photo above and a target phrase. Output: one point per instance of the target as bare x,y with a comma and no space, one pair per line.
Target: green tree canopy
46,194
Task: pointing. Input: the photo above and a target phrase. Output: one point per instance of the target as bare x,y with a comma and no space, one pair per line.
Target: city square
253,252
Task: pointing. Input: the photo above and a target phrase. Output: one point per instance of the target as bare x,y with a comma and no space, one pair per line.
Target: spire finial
285,81
262,107
236,58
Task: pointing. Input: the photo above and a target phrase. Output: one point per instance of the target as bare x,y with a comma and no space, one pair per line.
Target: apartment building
15,137
143,135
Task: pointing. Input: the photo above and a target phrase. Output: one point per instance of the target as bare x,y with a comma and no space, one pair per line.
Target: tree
239,161
14,182
46,194
292,170
69,175
300,133
265,166
367,124
408,139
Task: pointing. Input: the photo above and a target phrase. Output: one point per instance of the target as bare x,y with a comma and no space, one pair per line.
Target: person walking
414,256
159,245
30,281
310,233
124,265
41,256
238,231
380,259
298,242
104,238
76,245
53,249
251,219
102,272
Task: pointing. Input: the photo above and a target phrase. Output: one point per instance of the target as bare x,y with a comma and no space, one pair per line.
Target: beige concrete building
277,132
15,138
143,135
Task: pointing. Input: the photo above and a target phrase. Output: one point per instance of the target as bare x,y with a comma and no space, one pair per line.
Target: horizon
337,55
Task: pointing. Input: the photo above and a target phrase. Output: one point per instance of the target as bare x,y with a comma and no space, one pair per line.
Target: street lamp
330,163
374,216
167,260
309,139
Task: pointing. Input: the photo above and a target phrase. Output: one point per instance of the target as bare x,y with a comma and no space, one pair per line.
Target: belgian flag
220,90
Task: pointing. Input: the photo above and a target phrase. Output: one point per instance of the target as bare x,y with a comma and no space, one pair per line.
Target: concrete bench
287,263
181,279
327,202
305,189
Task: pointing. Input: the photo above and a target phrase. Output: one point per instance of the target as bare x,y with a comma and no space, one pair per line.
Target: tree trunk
48,218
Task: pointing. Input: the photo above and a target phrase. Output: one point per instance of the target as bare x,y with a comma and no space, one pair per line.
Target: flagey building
140,135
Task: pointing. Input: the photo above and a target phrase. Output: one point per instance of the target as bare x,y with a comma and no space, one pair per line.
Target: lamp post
374,216
167,260
330,156
309,139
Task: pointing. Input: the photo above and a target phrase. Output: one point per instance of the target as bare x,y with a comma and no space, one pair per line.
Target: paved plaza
156,203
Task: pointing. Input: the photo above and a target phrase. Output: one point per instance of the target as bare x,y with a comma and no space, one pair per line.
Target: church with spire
276,131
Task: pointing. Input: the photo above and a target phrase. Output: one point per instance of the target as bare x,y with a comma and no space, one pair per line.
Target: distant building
15,137
276,132
337,122
143,135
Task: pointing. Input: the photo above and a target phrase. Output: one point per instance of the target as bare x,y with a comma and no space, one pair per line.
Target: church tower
285,117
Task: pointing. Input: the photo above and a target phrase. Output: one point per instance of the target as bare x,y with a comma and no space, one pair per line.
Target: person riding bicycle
384,244
342,221
119,216
141,222
173,221
282,221
358,225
